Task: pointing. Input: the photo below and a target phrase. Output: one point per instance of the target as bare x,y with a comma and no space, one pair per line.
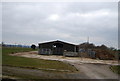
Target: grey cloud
76,21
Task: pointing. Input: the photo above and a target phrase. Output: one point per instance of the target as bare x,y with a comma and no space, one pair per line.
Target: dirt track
88,68
39,74
96,71
34,54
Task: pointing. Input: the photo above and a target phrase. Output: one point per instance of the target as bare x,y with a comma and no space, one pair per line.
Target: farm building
85,50
57,48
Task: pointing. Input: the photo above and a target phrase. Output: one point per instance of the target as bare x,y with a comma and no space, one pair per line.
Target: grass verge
30,62
115,69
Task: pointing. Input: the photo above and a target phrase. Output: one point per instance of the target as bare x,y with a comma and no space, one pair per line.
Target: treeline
14,45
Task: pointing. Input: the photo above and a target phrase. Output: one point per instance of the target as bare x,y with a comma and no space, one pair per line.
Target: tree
3,44
33,46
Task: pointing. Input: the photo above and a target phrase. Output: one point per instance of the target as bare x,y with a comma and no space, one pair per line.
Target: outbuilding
56,48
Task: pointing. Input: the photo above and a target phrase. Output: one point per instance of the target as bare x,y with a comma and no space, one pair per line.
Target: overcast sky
32,23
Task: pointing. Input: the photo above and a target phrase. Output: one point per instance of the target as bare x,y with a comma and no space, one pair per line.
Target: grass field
30,62
115,69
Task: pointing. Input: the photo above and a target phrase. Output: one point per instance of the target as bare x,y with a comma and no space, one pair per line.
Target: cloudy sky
32,22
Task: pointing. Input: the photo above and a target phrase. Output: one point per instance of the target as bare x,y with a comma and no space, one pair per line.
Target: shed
56,47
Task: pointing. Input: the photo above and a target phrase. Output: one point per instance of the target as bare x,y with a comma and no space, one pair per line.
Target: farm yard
25,63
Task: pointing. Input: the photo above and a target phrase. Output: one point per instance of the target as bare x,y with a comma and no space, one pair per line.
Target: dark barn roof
57,41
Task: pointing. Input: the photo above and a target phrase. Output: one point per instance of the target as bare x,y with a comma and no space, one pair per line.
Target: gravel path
86,71
96,71
39,74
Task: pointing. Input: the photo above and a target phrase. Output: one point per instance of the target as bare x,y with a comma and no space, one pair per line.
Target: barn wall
46,45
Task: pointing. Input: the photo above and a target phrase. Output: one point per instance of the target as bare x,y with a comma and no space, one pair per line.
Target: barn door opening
58,49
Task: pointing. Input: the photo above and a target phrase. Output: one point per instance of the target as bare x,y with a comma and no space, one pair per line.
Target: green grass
30,62
115,69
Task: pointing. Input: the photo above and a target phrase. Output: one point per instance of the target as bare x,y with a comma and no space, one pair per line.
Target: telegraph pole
88,39
87,47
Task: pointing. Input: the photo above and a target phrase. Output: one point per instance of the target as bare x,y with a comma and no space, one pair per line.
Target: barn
56,48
